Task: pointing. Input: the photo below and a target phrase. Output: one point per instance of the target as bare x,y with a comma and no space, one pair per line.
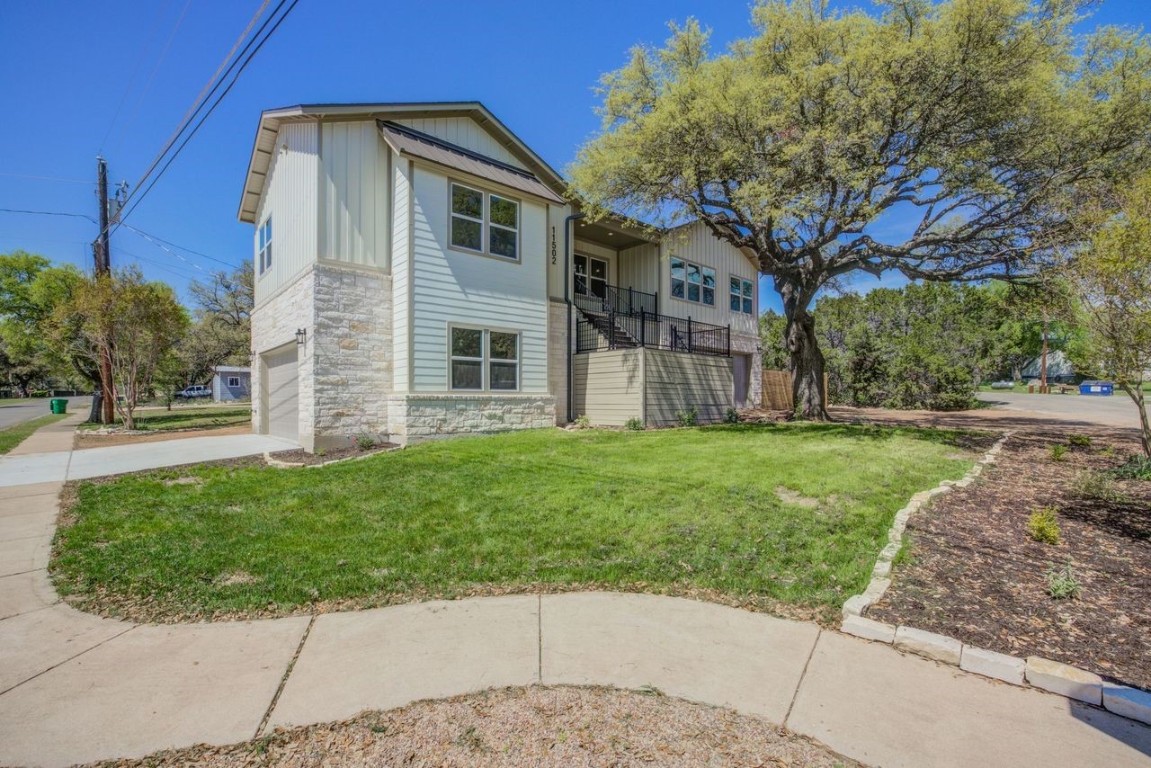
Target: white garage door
283,398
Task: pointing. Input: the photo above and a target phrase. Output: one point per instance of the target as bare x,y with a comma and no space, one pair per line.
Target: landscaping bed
782,518
973,571
511,727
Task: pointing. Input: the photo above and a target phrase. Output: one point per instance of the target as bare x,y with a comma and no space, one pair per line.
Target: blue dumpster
1098,388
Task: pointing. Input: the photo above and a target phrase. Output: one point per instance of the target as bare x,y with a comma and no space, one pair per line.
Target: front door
590,276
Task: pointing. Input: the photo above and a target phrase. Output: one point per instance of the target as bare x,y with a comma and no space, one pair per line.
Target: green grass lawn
13,436
756,514
188,418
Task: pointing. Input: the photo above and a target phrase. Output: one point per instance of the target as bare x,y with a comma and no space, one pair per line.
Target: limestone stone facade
274,326
418,417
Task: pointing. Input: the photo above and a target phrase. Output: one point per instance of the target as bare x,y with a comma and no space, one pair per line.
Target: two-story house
420,272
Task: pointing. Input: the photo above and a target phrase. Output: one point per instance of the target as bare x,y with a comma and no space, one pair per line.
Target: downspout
568,300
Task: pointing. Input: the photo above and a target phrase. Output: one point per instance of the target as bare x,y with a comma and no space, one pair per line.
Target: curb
1034,671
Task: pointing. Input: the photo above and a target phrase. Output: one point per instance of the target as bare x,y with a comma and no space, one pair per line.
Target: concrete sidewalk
77,688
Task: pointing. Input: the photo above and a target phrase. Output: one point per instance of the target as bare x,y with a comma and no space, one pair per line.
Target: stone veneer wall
351,345
558,341
750,345
417,417
274,325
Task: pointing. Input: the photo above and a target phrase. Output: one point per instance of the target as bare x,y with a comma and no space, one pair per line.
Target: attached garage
282,392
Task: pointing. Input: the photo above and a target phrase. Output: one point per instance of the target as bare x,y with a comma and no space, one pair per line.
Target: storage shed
231,382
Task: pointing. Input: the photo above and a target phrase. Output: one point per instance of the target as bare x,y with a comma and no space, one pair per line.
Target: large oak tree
969,121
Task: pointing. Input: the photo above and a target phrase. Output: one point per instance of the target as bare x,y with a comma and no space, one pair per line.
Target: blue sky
85,78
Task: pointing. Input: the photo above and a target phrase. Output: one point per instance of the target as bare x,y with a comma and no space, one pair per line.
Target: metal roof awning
414,144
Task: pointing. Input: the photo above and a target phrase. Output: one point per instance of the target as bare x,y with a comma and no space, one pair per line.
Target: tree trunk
1135,392
806,359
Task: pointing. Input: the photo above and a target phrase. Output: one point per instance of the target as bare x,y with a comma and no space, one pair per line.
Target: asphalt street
1118,410
18,412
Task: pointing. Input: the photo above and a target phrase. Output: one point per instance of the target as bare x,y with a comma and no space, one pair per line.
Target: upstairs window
264,246
692,282
742,295
485,222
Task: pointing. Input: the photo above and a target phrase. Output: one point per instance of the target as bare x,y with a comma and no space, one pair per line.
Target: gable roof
416,144
270,120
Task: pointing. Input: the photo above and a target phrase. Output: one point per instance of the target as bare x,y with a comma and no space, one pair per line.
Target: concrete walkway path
77,688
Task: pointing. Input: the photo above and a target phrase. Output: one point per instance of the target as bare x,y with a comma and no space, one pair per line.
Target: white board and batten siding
290,198
639,269
449,287
695,243
463,132
354,204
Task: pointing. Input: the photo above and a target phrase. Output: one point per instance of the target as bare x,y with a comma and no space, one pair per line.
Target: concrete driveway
1115,411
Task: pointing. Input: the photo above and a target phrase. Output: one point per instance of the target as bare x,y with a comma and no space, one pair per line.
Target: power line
241,61
49,213
158,240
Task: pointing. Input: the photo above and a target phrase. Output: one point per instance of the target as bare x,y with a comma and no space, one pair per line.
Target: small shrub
365,441
1058,451
1079,441
687,418
731,416
1134,468
582,422
635,424
1043,526
1097,486
1062,584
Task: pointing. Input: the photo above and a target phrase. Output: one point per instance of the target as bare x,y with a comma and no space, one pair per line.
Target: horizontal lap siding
463,288
608,386
677,382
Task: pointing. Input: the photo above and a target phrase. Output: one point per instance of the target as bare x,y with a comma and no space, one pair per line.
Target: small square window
233,381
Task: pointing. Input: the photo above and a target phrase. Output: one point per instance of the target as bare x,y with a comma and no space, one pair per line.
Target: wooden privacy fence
777,391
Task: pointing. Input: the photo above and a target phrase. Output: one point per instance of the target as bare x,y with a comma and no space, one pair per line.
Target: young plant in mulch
1043,526
1062,583
1079,441
1058,452
1134,468
1097,486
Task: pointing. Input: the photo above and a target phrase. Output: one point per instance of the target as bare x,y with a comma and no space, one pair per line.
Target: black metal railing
621,301
599,331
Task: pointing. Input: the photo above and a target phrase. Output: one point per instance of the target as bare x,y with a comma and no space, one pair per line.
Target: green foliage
513,510
1062,583
635,424
1096,486
1058,452
1043,526
365,441
582,422
798,141
1079,441
1134,468
731,416
687,418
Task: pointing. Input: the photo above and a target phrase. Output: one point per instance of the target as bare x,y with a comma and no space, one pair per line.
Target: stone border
276,463
1036,671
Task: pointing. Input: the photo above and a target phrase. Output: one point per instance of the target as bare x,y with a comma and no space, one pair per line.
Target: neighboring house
1059,368
420,273
231,382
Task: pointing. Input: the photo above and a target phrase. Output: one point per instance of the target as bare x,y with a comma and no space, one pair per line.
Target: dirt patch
975,573
92,439
536,726
299,456
234,579
795,498
184,481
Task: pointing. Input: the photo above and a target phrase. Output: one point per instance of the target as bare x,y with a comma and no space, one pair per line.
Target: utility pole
103,257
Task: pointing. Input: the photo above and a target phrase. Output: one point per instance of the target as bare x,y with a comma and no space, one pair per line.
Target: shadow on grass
959,438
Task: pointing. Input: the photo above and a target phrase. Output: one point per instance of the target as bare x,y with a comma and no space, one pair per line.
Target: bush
731,416
1079,441
1062,584
1043,526
582,422
687,418
365,441
1096,486
1058,451
635,424
1134,468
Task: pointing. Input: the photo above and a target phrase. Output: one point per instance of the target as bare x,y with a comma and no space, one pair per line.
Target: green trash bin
58,405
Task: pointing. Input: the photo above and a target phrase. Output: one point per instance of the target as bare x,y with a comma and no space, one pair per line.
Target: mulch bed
511,727
974,572
299,456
